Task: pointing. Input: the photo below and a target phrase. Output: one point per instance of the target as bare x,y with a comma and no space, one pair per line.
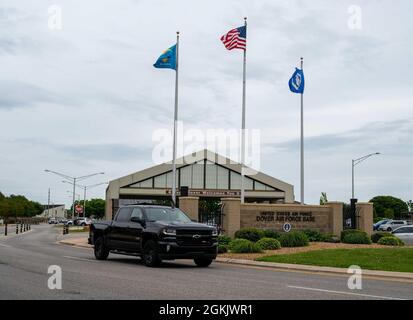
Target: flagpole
243,120
302,143
175,122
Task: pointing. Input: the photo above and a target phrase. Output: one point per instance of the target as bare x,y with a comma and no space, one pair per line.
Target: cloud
87,98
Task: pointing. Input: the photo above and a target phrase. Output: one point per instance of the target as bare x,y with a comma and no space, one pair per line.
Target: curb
317,269
69,243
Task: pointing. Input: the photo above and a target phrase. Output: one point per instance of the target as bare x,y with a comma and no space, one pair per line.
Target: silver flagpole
243,121
302,144
175,122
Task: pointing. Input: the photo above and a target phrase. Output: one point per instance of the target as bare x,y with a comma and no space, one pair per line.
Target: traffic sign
78,208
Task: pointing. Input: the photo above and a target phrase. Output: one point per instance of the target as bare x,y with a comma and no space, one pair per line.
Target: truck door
135,231
118,235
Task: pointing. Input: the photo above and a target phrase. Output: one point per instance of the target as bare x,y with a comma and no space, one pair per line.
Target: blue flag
296,82
167,59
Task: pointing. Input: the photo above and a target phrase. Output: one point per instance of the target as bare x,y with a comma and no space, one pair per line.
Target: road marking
80,259
347,293
5,245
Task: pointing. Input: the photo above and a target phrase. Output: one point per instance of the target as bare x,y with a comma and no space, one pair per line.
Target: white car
392,225
83,222
405,234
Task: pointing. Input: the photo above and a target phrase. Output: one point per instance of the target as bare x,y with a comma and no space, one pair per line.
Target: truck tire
151,254
202,262
101,251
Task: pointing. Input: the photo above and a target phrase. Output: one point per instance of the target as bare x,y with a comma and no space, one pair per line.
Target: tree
381,203
323,198
19,206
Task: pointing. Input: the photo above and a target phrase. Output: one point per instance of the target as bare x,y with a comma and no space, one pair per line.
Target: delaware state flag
167,60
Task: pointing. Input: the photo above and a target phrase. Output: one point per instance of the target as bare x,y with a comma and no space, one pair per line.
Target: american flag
235,38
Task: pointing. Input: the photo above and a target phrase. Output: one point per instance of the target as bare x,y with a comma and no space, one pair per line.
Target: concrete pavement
24,261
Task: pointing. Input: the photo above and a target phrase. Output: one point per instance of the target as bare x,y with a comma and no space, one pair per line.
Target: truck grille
186,237
193,232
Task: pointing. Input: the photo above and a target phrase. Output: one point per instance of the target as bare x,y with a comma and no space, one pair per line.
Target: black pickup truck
155,233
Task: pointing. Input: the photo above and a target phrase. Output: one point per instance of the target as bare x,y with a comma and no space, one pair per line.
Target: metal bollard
21,227
5,229
17,228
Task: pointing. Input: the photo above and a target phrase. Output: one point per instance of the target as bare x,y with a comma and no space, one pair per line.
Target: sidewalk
406,276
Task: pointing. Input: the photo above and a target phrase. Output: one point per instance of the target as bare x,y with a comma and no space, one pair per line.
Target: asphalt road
25,258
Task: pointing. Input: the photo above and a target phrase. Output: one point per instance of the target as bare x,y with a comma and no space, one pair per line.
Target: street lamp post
85,188
353,201
73,180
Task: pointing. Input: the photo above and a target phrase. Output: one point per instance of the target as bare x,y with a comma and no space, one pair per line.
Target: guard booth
204,175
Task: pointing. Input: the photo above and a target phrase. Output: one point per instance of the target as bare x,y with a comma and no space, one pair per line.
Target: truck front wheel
101,251
151,254
201,262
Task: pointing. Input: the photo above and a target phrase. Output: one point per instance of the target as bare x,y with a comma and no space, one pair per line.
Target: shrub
224,240
314,235
222,248
269,244
294,239
251,234
331,238
375,237
346,232
268,233
244,246
359,237
390,241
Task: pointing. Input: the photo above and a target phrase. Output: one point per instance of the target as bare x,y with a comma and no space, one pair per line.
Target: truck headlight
169,232
215,232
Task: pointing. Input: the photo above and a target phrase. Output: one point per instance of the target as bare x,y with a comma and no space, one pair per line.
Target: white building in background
53,211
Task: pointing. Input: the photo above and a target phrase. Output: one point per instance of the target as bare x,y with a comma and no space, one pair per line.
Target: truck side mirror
137,219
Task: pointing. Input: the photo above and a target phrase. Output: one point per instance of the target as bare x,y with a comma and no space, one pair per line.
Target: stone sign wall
324,218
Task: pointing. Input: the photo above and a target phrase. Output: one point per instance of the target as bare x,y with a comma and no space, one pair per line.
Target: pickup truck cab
154,233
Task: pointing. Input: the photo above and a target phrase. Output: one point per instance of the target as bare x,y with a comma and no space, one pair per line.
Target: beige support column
232,215
364,217
190,206
336,221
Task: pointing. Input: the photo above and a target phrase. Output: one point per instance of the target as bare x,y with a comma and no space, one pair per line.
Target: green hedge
331,238
357,237
268,233
294,239
244,246
222,248
251,234
391,241
225,240
375,237
314,235
269,244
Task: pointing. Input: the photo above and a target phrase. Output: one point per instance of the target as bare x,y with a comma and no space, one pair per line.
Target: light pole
353,201
355,162
85,188
73,180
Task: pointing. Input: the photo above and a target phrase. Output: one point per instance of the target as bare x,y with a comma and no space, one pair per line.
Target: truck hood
183,225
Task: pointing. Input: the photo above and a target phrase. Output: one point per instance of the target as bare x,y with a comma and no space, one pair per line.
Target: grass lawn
392,259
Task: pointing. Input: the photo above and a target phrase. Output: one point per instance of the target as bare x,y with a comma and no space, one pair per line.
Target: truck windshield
166,214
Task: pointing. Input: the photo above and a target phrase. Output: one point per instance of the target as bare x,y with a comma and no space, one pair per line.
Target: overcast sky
86,98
